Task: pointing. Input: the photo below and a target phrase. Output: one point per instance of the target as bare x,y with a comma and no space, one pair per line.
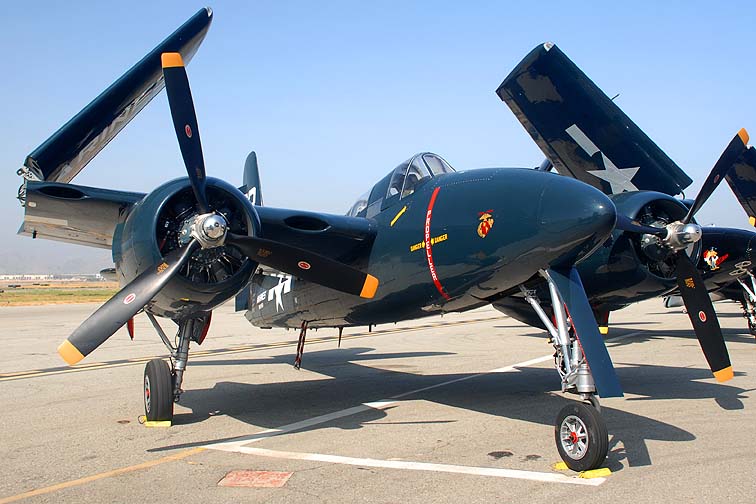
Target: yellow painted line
102,475
94,366
401,212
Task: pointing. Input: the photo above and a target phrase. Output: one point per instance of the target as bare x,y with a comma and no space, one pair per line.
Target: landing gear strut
580,430
162,381
749,302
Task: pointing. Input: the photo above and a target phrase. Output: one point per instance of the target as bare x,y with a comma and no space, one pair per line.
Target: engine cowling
631,267
153,229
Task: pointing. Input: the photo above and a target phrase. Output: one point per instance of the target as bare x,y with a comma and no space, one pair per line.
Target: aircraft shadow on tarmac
730,335
645,335
523,395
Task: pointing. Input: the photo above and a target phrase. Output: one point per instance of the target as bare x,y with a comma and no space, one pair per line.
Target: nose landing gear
162,381
580,431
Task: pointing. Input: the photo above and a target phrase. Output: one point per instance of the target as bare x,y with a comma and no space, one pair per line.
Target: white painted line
423,466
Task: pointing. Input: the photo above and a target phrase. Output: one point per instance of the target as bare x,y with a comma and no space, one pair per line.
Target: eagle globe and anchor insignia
486,223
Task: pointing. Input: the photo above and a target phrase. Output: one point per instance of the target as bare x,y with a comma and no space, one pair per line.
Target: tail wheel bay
158,391
581,437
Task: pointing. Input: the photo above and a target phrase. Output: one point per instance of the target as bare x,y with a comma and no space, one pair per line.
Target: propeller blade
703,317
573,294
306,265
734,149
625,223
120,308
185,123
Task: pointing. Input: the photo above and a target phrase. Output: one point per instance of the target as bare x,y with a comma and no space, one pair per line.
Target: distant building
72,277
26,276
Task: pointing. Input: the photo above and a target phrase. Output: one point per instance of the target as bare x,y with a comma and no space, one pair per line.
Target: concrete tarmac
453,409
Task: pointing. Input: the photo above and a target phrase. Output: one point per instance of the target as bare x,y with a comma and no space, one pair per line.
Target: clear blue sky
333,96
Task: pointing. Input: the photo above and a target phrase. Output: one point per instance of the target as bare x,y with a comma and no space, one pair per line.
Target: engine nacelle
151,230
632,267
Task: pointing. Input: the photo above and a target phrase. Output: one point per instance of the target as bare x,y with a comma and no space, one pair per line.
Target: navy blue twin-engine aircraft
425,240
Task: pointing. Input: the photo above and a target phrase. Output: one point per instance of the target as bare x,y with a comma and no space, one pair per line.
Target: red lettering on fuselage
428,253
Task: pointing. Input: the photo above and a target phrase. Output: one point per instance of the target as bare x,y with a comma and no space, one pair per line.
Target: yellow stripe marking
369,287
69,353
724,374
401,212
171,59
743,134
103,475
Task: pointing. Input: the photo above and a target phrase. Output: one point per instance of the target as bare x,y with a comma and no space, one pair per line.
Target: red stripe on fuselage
428,253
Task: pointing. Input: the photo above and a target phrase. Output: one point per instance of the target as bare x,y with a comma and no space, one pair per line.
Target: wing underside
75,214
582,131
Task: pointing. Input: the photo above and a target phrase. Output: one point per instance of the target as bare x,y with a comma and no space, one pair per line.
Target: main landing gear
579,431
162,381
749,302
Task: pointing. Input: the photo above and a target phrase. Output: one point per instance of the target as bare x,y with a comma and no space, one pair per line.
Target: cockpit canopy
400,183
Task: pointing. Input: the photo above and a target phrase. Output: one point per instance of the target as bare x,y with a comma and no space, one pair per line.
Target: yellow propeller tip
369,287
743,134
604,330
724,374
752,220
171,59
69,353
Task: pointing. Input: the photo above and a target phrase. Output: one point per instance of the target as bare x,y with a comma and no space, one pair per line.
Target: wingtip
170,60
743,134
69,353
724,374
369,287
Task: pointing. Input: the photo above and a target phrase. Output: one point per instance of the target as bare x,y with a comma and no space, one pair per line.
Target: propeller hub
214,227
208,229
681,235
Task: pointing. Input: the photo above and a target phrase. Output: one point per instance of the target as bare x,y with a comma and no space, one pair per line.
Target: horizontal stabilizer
583,132
742,180
572,292
62,156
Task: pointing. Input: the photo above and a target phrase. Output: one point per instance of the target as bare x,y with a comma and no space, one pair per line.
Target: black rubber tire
158,391
751,327
596,437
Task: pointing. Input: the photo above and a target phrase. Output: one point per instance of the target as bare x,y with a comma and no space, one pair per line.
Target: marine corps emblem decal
486,223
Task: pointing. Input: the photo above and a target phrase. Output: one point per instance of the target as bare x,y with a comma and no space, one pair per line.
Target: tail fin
742,180
62,156
581,131
251,186
253,191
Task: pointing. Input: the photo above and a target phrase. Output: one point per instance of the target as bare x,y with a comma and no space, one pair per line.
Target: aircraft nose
577,217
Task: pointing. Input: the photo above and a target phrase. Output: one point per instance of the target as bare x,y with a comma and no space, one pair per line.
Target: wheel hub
574,437
147,401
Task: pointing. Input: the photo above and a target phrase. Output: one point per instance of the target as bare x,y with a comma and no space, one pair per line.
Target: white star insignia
620,179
